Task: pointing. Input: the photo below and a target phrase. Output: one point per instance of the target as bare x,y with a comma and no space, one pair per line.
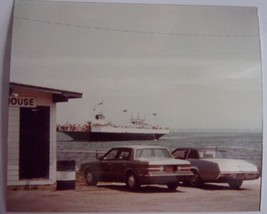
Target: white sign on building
29,102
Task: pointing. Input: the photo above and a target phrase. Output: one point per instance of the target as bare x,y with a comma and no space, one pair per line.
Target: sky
195,67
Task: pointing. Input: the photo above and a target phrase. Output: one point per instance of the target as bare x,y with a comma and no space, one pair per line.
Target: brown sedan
136,166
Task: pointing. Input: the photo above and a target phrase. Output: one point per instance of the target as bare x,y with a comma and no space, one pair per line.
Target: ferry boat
100,130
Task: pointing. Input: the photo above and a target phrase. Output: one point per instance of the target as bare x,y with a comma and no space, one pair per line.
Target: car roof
200,149
137,147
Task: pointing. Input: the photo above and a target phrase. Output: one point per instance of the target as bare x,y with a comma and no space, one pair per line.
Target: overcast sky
195,67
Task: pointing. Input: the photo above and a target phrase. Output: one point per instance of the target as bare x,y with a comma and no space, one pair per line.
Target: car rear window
152,153
213,154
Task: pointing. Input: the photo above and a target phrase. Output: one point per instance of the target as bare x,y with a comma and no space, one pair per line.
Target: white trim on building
42,97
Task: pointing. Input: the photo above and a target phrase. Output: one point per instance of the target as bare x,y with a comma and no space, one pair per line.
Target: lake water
246,146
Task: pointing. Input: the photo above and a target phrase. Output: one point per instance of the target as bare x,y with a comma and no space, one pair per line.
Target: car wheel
131,181
195,181
90,177
235,184
173,186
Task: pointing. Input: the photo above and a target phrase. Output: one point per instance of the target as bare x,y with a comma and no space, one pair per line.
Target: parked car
211,165
136,166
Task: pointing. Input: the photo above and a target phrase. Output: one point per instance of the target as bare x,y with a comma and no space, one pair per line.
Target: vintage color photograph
130,107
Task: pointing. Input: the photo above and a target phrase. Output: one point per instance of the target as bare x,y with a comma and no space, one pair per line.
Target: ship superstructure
100,130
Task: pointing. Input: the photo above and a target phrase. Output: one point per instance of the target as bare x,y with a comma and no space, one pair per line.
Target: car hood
233,165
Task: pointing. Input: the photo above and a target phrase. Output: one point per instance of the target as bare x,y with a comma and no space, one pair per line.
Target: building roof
58,94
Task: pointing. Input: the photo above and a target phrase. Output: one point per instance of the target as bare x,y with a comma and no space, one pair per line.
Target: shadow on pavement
142,189
215,186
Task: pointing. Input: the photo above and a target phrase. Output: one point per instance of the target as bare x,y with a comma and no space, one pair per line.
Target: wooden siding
42,99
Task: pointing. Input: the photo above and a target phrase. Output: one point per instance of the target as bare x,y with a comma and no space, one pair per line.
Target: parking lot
109,197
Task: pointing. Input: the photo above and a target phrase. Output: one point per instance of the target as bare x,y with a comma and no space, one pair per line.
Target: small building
32,133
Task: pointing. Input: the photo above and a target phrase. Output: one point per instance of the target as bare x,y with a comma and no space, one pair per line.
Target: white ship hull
99,130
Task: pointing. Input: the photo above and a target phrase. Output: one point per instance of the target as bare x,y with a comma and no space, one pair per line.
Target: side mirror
97,156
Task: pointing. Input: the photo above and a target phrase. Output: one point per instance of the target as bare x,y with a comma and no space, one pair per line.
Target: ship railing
73,127
133,126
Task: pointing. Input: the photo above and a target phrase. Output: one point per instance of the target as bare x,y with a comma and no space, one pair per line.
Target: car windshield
212,154
147,153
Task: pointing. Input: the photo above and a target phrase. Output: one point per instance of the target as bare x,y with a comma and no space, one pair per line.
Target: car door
106,165
120,164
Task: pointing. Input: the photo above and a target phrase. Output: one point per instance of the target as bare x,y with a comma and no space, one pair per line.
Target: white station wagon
211,165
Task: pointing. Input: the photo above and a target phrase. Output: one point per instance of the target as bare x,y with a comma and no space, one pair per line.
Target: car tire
90,178
131,181
195,181
173,186
235,184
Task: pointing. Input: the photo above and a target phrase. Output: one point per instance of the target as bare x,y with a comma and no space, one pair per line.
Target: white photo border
6,13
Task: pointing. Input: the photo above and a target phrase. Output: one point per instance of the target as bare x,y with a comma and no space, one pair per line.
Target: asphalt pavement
111,197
